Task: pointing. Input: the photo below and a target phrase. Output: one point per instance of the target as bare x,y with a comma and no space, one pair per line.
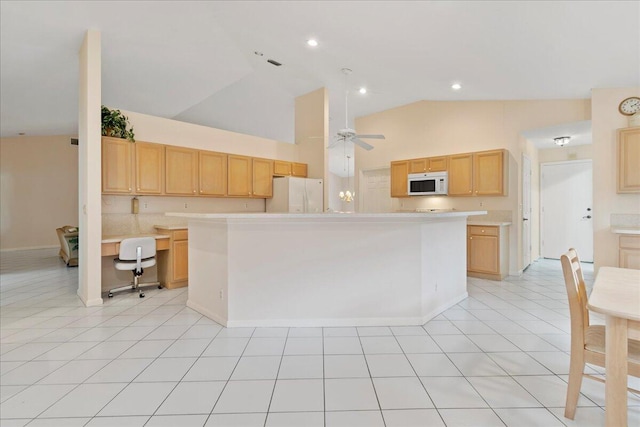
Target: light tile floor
498,358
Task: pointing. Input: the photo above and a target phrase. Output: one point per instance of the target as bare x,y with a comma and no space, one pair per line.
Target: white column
89,170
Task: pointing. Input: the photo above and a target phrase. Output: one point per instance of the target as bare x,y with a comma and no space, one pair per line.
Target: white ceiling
195,61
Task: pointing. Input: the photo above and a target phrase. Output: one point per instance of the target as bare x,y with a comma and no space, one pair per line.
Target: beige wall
433,128
39,193
562,154
606,120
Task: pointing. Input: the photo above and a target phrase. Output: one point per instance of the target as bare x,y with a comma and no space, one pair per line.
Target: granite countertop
489,223
625,229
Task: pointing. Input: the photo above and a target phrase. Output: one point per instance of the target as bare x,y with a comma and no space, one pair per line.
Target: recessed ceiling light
456,86
312,42
363,90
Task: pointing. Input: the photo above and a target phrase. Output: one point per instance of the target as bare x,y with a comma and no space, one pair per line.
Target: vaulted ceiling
195,61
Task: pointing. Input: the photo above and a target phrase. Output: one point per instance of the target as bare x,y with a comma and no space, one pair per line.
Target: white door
375,190
296,195
314,194
566,209
526,212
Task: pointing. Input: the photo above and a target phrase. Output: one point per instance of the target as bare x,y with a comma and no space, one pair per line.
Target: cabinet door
460,175
281,168
418,165
180,260
181,171
149,168
629,160
239,176
299,169
262,177
488,171
399,172
212,171
116,166
482,254
437,164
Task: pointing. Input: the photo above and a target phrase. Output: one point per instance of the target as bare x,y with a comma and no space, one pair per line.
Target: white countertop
171,227
625,229
388,216
488,223
115,238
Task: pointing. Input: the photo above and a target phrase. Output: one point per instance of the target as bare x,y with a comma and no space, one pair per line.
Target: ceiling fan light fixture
561,141
456,86
362,90
312,42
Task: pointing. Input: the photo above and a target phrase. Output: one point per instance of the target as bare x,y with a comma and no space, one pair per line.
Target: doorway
526,212
375,190
566,213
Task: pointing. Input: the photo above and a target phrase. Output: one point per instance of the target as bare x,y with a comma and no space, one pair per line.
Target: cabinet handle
483,231
470,238
194,191
129,188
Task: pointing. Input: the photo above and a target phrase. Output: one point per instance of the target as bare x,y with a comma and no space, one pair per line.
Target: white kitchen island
328,269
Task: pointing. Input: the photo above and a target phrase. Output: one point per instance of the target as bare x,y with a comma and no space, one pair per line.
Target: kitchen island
327,269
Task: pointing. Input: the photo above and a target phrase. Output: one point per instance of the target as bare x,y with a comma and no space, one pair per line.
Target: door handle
586,217
525,219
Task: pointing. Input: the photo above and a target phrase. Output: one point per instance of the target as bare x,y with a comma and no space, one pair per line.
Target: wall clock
629,106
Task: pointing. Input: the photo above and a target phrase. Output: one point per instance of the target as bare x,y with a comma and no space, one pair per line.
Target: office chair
135,254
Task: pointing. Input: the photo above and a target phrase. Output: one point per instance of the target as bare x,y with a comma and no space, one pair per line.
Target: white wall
39,193
605,122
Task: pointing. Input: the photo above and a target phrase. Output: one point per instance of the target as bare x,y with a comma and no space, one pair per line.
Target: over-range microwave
428,184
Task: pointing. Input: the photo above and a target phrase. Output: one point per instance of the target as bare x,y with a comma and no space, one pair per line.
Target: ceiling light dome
456,86
561,140
363,90
312,42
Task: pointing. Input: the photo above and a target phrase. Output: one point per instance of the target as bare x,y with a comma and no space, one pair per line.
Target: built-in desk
111,244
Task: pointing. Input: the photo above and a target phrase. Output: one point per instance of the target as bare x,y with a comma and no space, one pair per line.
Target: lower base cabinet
487,252
629,251
173,271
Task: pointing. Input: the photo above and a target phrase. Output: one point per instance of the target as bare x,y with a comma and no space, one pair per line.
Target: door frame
526,262
540,207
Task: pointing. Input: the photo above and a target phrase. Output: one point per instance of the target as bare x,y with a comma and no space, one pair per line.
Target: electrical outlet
186,205
480,204
246,205
146,206
221,294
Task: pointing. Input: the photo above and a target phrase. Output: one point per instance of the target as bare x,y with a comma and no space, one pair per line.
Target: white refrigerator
296,195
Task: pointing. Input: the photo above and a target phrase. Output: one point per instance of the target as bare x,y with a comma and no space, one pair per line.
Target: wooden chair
587,341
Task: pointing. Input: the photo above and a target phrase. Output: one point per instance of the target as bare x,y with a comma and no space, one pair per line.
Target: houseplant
114,123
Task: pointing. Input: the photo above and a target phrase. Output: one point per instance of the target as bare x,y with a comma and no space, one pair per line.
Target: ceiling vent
276,63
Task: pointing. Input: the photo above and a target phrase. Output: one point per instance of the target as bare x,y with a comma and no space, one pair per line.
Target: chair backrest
129,248
577,294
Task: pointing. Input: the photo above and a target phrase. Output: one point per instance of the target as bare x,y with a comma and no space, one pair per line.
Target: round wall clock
629,106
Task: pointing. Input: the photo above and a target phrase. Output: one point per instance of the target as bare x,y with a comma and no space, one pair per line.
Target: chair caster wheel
110,295
141,294
159,286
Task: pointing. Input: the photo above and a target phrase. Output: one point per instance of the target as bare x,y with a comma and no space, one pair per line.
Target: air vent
276,63
74,141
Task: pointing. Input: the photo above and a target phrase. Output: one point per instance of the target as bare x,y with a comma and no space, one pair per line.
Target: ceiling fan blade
371,136
362,144
335,142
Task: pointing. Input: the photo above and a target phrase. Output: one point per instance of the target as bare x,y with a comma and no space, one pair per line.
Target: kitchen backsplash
625,220
494,216
116,224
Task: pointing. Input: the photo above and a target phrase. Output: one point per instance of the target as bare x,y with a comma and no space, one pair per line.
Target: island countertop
330,216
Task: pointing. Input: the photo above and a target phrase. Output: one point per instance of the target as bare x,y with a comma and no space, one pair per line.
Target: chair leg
576,369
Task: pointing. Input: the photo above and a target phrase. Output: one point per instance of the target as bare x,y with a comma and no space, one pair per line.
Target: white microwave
428,184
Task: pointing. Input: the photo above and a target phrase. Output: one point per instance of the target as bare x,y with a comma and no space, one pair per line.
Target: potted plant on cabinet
115,124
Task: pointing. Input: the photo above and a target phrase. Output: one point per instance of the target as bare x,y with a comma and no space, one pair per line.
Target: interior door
526,212
375,190
566,209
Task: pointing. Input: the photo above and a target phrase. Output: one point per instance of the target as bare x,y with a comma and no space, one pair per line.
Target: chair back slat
576,293
129,248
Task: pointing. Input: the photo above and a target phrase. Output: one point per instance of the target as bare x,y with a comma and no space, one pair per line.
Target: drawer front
162,244
482,231
630,242
180,234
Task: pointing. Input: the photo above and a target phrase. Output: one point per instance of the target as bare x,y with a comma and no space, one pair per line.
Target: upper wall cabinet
262,178
281,168
212,173
149,168
399,172
239,182
489,173
428,164
299,169
116,166
629,160
461,175
181,171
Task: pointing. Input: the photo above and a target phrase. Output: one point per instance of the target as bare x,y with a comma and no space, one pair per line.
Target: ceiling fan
347,134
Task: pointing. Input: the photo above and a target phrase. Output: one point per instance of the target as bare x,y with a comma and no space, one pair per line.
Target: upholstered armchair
68,236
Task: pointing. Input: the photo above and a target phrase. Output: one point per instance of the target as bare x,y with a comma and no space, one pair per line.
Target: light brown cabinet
487,252
399,172
181,171
629,252
629,160
173,269
428,164
212,173
478,174
117,177
149,168
262,178
281,168
239,180
299,169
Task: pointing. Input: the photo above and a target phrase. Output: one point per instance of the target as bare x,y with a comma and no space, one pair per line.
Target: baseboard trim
443,307
210,314
91,302
29,248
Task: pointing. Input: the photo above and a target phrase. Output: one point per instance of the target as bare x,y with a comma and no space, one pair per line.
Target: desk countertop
120,237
